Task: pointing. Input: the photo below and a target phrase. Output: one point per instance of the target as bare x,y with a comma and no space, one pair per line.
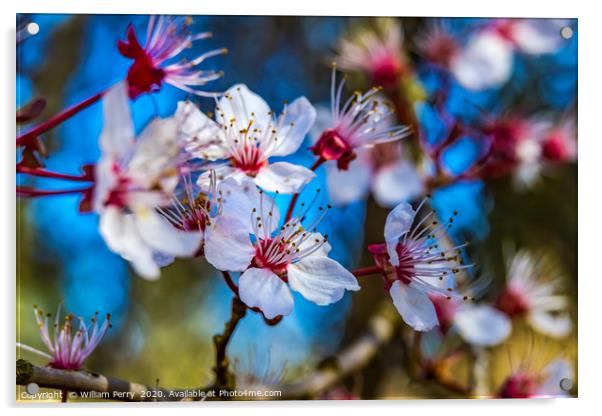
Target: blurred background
163,330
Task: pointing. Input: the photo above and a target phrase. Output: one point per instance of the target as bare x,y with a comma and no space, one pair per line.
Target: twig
84,381
223,377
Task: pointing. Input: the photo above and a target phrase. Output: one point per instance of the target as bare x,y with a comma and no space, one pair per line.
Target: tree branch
223,377
83,381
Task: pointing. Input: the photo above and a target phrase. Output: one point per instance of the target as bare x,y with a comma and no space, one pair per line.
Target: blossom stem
223,377
230,282
366,271
50,174
32,193
57,119
291,206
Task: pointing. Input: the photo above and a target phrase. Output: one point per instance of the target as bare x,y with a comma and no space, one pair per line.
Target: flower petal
227,245
118,129
121,235
538,36
485,63
158,233
320,279
241,197
201,136
156,154
346,186
284,177
261,288
414,306
397,182
241,105
557,326
398,223
482,325
555,372
296,120
222,173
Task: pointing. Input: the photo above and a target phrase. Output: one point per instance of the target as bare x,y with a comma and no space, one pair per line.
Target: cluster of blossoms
486,59
194,185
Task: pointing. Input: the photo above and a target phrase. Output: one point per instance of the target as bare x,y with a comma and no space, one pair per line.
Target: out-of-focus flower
272,260
487,59
376,51
133,177
525,147
524,383
381,168
531,292
560,142
437,44
259,372
362,121
166,38
68,350
515,148
247,134
480,325
415,266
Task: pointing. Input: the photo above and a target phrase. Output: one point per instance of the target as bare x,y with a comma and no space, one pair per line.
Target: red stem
55,120
366,271
230,282
49,174
291,206
29,192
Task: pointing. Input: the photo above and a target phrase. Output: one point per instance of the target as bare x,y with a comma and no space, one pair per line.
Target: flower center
273,254
512,302
386,71
143,76
555,148
331,146
519,386
249,159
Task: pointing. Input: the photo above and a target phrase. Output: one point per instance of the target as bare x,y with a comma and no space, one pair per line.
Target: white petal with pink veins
284,177
202,137
161,235
298,118
241,105
414,306
397,182
227,246
320,279
486,62
263,289
118,129
398,223
482,325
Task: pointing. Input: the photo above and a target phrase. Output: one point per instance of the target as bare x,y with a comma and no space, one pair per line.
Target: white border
590,151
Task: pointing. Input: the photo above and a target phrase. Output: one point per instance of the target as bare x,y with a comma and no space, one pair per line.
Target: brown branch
223,377
115,389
